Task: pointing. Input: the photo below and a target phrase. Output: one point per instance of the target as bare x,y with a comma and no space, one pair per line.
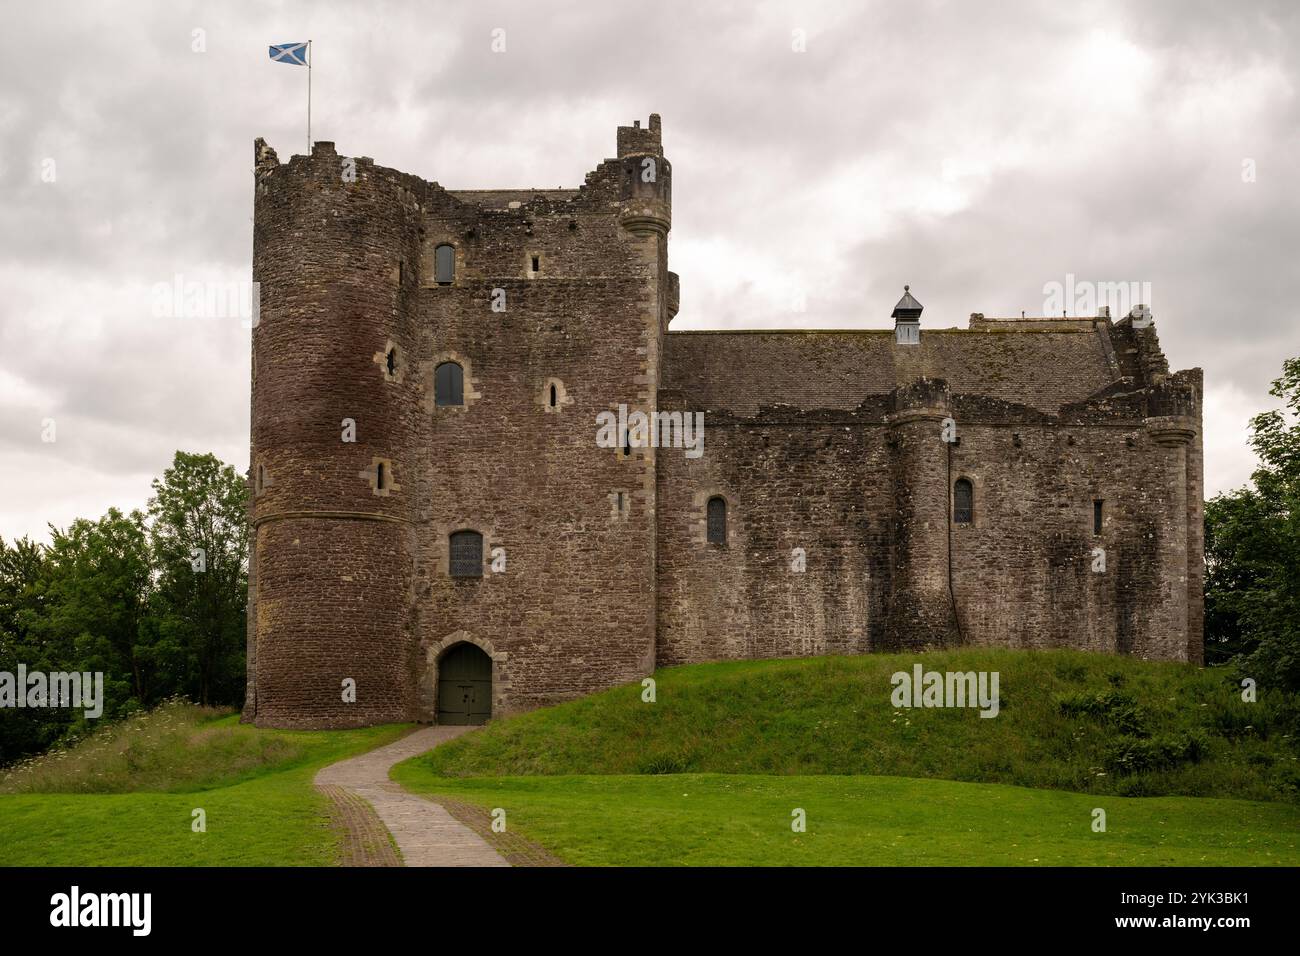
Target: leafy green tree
157,605
24,578
1252,550
98,606
199,539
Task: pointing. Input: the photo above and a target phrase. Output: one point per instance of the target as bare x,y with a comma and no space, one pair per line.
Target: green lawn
254,785
745,819
709,773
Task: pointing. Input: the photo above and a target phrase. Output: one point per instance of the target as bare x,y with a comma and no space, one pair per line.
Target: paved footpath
426,834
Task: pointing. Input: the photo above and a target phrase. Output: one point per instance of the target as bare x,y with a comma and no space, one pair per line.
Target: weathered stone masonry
827,441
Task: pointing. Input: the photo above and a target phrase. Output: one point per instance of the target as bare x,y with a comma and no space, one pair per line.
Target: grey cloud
975,151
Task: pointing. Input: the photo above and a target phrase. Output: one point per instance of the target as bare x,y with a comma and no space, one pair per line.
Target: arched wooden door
464,686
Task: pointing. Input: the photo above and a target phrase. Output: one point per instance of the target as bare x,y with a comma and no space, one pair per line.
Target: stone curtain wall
869,490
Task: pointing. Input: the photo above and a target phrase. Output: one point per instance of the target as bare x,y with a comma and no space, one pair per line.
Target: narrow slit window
620,502
466,554
391,361
963,501
444,264
537,263
261,477
449,384
717,520
554,396
1097,514
379,476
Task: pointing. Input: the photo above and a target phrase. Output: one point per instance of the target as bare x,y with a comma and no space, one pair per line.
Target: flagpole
308,97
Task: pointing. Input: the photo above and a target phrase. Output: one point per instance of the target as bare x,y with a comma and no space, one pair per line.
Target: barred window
444,264
717,520
466,554
449,384
963,501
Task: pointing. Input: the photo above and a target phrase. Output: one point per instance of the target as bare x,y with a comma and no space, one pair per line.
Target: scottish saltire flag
295,53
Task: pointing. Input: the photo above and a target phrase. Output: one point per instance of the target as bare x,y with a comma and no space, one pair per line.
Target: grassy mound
1068,720
175,747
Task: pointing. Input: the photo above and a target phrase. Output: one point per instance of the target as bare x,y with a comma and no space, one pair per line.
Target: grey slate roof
741,371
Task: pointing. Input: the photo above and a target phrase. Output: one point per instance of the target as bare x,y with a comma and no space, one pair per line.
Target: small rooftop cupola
907,319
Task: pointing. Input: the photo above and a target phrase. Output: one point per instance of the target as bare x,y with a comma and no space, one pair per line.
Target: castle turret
333,406
1173,422
920,612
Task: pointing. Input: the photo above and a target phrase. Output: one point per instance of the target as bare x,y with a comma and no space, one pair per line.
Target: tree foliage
124,596
1252,551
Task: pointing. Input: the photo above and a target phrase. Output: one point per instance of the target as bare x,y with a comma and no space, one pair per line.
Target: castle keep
433,522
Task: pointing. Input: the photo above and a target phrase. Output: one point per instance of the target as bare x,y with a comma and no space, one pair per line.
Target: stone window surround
614,513
700,522
469,385
371,474
561,396
976,509
381,359
429,262
442,547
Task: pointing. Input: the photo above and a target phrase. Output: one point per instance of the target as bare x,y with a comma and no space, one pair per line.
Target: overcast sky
977,151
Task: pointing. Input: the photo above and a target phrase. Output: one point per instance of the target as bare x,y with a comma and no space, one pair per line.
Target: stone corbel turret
647,182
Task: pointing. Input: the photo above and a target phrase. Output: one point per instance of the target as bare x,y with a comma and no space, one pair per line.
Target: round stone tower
335,253
920,612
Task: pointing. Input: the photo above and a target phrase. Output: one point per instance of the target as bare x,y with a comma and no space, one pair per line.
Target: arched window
449,384
379,476
444,264
466,554
555,396
963,501
717,520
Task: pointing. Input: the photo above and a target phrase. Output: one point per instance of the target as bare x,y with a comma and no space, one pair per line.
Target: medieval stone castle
438,536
